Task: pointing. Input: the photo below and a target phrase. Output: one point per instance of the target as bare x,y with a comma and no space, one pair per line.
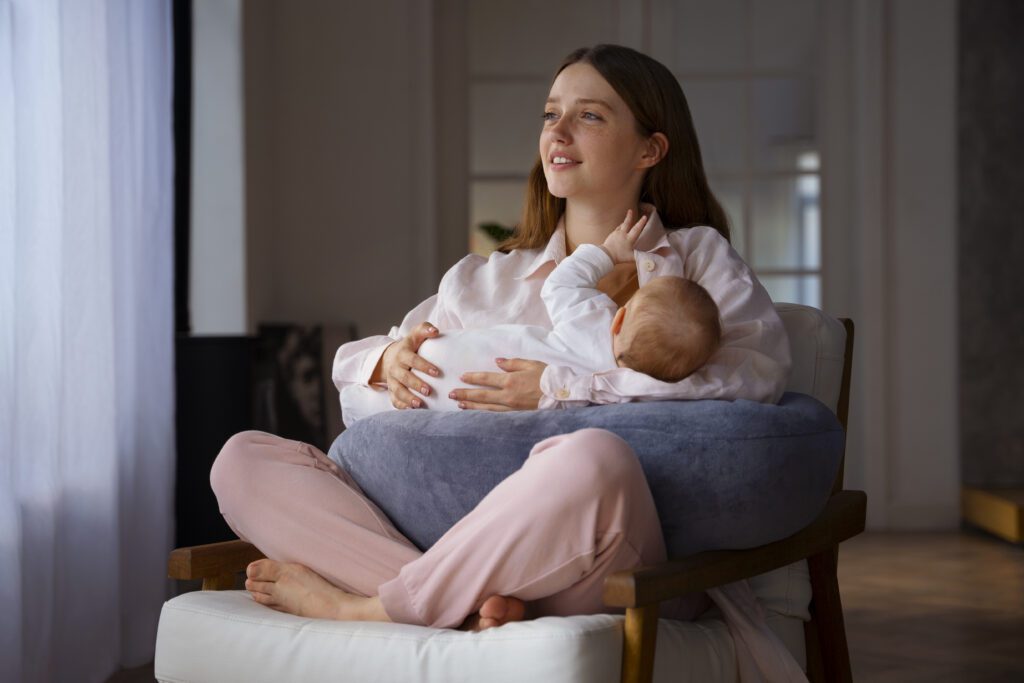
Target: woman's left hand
517,388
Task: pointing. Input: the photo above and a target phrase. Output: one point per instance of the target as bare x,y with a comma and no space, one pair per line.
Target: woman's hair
676,185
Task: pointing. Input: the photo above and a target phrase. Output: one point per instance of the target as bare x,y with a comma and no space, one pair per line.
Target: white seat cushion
225,636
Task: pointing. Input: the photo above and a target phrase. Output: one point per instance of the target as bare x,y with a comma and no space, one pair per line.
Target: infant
667,330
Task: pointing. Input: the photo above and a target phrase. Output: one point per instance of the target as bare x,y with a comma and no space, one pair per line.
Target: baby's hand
619,244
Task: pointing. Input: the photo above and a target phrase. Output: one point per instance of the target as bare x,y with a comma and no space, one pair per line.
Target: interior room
202,201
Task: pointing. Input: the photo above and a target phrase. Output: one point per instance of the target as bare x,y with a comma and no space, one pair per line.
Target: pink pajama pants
578,510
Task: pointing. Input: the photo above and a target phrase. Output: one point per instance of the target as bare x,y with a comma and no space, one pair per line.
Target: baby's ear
620,315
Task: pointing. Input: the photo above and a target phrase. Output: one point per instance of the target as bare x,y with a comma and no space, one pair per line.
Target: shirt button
648,266
563,394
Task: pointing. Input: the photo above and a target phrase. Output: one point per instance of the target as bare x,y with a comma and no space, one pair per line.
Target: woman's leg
296,505
578,510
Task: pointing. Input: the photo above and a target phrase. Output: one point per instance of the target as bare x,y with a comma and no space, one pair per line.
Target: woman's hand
397,363
620,242
517,388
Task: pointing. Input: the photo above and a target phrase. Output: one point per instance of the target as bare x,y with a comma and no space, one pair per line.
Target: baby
667,330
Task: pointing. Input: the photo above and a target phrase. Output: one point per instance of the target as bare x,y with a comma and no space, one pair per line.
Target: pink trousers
578,510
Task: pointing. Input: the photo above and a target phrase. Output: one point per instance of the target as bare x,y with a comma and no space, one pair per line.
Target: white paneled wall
506,122
530,37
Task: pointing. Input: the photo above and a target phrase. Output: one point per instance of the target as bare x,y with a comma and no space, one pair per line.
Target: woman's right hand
397,363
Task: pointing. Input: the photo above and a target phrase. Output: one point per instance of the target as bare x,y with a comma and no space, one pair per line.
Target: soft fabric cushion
817,342
724,474
225,636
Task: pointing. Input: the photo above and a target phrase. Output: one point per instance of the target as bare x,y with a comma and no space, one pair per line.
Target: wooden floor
933,607
942,608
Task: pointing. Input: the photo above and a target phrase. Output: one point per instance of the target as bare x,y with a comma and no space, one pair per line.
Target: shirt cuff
595,256
561,387
370,361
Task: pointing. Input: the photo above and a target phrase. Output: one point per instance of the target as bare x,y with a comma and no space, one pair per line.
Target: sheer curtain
86,334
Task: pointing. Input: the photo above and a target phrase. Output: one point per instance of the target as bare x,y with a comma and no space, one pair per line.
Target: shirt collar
553,252
653,237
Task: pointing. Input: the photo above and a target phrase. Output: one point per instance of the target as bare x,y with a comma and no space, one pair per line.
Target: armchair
201,634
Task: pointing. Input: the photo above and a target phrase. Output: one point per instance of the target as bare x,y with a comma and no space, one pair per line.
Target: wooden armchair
640,591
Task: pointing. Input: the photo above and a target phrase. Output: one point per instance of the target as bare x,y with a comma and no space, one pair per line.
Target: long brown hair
677,185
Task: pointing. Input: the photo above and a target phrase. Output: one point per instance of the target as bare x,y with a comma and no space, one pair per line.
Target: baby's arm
621,241
570,293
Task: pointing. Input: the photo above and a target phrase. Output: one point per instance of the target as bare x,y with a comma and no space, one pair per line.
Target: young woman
617,135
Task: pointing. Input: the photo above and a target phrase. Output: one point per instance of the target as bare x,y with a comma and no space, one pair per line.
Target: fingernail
451,395
425,390
462,404
499,361
415,403
433,371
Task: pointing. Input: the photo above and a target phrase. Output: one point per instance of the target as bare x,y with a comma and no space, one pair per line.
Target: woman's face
590,145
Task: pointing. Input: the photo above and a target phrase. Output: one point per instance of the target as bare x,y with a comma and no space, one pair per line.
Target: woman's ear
620,315
655,150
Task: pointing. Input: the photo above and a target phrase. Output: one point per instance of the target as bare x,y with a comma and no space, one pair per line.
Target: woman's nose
560,131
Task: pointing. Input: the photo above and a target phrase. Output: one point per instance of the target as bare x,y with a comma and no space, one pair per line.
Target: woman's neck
591,224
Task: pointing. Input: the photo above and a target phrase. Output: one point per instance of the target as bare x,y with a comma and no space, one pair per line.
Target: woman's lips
564,167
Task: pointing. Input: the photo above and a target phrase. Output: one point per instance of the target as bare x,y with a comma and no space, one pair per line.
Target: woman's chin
561,191
556,190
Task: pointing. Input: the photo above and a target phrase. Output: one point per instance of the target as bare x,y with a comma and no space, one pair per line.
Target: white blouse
752,362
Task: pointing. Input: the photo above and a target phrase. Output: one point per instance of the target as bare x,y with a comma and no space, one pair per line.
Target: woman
617,136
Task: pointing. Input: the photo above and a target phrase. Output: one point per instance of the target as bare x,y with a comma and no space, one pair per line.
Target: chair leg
812,646
638,640
827,613
221,582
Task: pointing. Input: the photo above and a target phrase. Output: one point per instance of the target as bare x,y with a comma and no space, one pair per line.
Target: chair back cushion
817,342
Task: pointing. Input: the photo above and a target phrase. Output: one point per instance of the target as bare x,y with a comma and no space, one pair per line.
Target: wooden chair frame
641,590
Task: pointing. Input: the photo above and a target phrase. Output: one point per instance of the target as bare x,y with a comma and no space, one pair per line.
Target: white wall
217,268
340,181
890,209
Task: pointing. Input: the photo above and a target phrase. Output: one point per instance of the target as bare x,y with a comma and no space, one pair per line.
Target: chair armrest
842,518
215,563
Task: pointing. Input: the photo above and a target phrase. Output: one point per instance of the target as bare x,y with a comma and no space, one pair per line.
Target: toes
263,570
486,623
515,609
494,608
266,587
503,609
263,599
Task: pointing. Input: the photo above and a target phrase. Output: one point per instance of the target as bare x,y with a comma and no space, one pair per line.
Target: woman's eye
591,116
549,116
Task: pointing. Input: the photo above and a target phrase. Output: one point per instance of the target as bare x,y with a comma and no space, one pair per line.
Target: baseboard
998,511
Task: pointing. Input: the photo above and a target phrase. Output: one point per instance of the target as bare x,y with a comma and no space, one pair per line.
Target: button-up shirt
752,361
580,339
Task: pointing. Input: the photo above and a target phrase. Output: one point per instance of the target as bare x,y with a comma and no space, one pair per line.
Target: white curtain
86,334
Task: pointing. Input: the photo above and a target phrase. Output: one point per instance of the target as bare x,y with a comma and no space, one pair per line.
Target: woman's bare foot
497,610
298,590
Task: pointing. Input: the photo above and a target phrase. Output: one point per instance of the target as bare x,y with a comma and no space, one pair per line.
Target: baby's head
667,330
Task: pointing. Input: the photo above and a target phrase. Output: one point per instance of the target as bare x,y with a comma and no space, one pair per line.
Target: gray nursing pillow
724,474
